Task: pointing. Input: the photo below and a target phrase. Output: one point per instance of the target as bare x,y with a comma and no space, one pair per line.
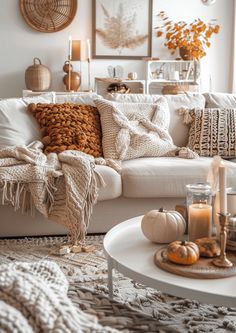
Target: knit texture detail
212,131
61,186
132,130
34,299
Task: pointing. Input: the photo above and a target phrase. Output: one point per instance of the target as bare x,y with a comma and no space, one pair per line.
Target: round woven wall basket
48,15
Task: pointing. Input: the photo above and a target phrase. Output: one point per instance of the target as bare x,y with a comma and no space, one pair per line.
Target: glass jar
199,205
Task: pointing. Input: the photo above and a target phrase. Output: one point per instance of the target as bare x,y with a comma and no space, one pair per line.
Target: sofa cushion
162,176
113,184
77,97
220,100
131,130
213,132
133,98
17,126
69,126
177,130
29,93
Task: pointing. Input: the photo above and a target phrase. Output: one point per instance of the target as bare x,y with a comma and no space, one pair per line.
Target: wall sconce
208,2
72,79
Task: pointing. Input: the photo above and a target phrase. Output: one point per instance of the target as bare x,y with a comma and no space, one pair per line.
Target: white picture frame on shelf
122,29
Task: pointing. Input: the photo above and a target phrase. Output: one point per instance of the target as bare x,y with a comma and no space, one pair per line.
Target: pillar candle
200,216
222,189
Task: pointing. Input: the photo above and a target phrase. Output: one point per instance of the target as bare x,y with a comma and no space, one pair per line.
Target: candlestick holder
222,261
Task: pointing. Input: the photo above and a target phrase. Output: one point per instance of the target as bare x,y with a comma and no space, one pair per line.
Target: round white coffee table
129,252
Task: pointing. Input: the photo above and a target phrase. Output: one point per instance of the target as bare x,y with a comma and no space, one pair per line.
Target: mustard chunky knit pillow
69,126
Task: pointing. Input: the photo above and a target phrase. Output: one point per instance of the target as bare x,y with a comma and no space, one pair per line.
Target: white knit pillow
177,130
132,130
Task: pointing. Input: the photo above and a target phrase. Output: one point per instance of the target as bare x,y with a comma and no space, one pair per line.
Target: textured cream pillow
132,130
213,132
177,130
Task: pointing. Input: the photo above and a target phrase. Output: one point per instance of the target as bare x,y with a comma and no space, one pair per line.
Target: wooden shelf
102,83
160,73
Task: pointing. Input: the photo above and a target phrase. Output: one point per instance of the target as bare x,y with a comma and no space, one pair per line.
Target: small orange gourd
183,252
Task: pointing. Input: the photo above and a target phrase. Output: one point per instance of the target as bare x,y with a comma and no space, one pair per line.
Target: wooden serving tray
202,269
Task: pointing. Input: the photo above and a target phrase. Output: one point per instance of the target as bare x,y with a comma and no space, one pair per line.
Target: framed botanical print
122,29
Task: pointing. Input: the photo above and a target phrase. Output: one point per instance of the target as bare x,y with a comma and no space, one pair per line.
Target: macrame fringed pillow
132,130
212,131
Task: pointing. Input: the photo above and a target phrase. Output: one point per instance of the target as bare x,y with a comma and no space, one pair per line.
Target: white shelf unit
102,83
164,74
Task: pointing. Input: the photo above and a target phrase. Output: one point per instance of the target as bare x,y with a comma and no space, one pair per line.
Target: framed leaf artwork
122,29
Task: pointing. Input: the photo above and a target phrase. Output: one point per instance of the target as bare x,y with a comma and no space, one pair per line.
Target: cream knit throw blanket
33,298
62,187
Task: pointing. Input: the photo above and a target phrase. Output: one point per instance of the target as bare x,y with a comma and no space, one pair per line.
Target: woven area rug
135,308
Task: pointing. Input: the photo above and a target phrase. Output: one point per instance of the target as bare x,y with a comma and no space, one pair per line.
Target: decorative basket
175,89
48,16
38,77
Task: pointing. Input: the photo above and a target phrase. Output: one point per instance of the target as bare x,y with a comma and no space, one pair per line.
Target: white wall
20,44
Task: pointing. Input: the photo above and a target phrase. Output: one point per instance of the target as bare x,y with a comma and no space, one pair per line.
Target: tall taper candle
70,48
88,49
222,189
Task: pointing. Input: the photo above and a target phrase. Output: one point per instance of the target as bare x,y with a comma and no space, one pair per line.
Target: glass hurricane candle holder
199,204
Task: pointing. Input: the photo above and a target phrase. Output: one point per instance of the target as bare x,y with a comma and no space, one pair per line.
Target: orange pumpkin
183,252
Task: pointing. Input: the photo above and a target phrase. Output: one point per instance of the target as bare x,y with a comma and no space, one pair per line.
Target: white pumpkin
161,226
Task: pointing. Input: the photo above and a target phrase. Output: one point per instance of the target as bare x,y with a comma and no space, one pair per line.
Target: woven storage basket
38,77
175,89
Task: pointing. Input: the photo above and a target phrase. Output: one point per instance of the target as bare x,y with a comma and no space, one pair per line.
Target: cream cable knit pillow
132,130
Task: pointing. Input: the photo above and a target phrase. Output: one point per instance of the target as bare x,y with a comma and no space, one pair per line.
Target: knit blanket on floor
62,187
34,299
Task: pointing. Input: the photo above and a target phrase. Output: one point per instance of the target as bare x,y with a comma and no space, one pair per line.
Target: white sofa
144,183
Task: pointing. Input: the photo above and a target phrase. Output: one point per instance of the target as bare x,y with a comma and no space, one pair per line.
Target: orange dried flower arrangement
192,37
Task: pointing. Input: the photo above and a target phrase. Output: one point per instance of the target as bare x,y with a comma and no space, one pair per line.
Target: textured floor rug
135,308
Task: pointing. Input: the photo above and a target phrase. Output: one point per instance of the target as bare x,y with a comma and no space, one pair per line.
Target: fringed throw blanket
34,299
62,187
